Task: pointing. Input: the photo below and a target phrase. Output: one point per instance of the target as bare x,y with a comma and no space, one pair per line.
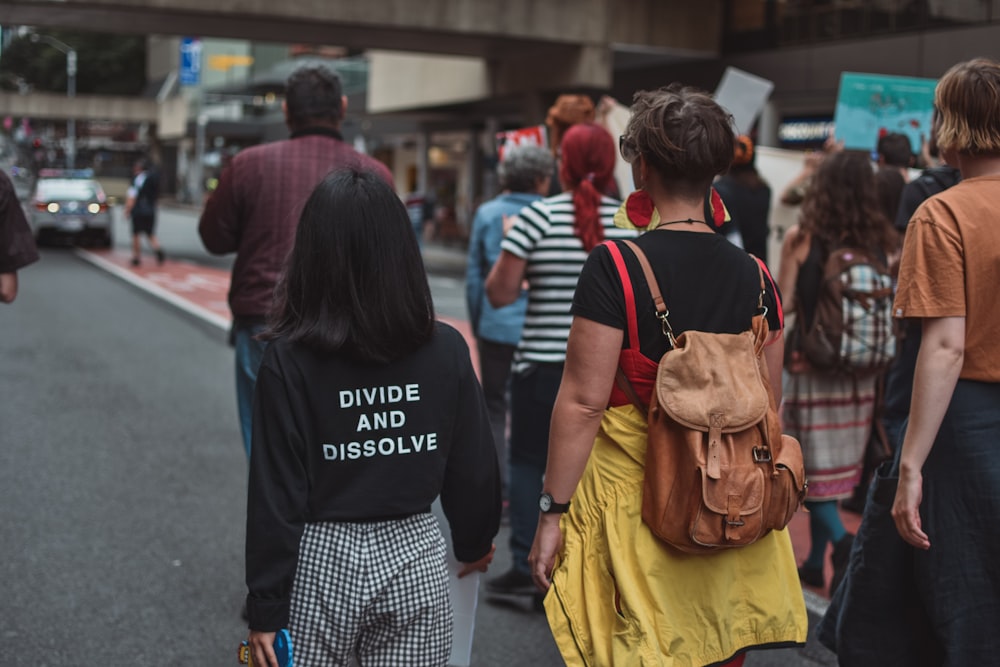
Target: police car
68,205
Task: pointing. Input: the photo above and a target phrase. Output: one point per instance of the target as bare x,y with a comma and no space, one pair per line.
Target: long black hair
354,283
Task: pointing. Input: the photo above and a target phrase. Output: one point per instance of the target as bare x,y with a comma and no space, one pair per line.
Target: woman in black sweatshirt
366,410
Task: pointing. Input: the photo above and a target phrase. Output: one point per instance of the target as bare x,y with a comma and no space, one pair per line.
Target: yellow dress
622,597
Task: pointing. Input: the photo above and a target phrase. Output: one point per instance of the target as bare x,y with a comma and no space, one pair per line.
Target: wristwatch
549,506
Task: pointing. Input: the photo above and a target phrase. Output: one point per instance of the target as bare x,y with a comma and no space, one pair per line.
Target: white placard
743,95
464,594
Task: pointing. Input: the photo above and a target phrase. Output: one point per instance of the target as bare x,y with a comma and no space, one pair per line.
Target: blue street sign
190,74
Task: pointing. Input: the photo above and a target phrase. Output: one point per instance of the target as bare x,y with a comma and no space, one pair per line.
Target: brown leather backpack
719,472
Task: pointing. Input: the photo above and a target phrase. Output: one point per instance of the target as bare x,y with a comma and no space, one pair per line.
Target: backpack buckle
668,330
761,455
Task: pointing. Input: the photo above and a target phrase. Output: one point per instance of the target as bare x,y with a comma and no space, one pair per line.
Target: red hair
587,167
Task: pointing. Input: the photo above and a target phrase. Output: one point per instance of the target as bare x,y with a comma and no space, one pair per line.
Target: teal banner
870,105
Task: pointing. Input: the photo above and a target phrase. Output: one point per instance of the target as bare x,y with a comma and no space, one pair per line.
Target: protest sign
871,105
525,136
743,95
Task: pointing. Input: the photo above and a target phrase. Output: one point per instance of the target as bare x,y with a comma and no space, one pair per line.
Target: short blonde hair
968,96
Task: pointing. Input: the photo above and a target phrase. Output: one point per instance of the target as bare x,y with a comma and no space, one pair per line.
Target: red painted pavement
206,289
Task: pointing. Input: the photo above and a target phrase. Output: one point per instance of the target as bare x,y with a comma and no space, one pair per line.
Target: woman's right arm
503,285
939,363
794,250
591,359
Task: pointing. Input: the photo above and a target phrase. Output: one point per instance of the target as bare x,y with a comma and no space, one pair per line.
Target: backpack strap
759,322
633,325
654,289
763,271
628,292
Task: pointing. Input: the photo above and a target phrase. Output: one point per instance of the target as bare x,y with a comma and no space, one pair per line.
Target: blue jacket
499,325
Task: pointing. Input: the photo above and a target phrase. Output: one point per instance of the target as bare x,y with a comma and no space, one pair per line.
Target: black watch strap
547,505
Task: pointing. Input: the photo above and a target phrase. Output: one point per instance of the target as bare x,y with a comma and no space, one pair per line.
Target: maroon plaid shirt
256,207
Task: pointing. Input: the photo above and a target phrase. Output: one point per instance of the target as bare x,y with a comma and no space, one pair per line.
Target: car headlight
94,208
52,208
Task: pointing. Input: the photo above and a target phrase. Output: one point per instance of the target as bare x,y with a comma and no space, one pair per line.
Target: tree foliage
106,64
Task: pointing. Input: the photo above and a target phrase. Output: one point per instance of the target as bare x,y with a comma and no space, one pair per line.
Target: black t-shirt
749,207
707,283
334,440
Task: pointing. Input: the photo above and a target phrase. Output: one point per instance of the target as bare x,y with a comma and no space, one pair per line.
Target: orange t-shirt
951,268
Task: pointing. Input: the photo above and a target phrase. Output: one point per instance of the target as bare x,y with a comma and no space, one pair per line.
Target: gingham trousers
377,592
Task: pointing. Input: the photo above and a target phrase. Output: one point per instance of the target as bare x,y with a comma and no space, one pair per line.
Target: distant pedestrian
17,245
949,465
565,112
254,209
829,411
547,245
895,157
366,410
899,377
525,173
420,208
747,196
140,208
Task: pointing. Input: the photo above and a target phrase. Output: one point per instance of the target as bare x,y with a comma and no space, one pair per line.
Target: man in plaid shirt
255,210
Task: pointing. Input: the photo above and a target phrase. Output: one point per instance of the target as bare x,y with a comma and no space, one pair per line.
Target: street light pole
70,91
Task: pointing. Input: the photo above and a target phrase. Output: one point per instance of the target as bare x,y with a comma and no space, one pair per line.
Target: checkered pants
377,592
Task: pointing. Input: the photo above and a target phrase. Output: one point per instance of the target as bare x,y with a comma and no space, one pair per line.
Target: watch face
545,502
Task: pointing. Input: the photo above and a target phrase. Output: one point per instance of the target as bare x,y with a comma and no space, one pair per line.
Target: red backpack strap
633,326
630,313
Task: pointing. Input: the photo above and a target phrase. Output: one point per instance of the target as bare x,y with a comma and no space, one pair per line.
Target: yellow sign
223,62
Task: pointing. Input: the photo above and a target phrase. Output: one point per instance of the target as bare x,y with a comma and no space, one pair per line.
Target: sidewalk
201,292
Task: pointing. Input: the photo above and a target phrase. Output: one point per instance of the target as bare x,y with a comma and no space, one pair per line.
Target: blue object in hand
282,650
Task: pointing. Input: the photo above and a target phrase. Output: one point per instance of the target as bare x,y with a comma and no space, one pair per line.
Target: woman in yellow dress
617,595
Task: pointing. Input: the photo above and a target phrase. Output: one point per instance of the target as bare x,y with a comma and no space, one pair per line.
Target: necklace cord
680,222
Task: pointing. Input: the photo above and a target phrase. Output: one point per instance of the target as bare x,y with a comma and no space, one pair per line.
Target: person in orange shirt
949,463
928,593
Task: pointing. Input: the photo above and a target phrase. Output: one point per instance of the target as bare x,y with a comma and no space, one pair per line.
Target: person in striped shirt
546,247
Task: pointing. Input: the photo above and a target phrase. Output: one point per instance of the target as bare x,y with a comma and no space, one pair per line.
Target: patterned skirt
831,415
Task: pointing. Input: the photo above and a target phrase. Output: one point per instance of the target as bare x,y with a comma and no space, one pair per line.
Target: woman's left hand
480,565
262,648
548,542
906,509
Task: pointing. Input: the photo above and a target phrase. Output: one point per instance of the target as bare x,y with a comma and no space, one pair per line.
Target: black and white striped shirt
543,235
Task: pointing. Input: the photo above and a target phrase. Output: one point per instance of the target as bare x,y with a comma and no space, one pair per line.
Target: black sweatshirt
337,441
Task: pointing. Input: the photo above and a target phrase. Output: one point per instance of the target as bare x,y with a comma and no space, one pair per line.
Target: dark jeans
494,371
532,395
249,354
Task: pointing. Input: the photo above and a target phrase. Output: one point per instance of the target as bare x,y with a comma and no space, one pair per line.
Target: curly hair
842,205
587,167
684,135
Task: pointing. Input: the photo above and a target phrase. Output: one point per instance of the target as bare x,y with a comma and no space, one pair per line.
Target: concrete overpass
53,106
527,50
530,45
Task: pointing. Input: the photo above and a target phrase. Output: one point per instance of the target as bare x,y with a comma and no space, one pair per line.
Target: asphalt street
122,483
